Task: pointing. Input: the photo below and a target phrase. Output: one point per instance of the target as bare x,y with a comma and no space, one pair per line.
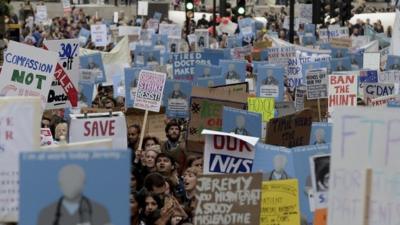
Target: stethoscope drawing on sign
85,211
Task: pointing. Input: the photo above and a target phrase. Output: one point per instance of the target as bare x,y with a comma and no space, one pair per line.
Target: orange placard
320,216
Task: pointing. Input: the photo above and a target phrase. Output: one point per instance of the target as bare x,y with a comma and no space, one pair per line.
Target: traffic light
189,9
241,7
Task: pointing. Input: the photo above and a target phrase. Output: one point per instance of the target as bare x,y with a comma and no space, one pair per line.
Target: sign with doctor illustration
74,190
176,98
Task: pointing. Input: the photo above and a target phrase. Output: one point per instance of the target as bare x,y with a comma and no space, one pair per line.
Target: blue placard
342,64
276,163
184,64
321,133
393,62
234,71
176,98
131,82
241,122
270,82
87,187
94,62
85,96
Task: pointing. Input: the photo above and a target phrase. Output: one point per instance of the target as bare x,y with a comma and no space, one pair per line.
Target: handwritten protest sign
280,55
19,130
341,42
207,114
99,126
342,91
184,64
390,76
280,203
150,90
376,90
290,131
27,71
364,139
83,175
99,35
317,84
265,106
228,199
68,52
228,153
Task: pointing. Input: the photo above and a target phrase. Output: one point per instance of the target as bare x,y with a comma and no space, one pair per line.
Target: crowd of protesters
163,175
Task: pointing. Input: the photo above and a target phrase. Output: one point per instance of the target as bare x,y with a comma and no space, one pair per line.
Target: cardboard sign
150,90
99,126
228,152
342,91
317,84
341,42
265,106
207,114
290,131
19,130
280,203
317,111
222,201
99,35
364,139
68,52
27,71
184,64
81,175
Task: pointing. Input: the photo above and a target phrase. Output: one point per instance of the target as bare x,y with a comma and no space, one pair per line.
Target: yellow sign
280,203
265,106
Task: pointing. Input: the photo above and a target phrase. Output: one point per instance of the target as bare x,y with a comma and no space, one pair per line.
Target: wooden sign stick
146,113
367,197
319,109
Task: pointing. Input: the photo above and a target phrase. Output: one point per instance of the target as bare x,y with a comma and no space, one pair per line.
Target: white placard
99,35
143,8
98,126
19,130
27,71
372,60
68,52
150,90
